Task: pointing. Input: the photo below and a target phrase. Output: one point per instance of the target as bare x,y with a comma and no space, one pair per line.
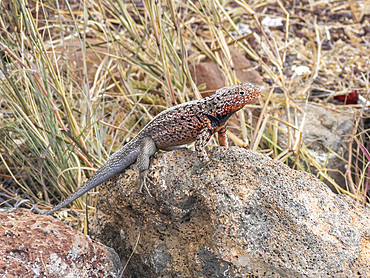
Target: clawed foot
141,181
206,163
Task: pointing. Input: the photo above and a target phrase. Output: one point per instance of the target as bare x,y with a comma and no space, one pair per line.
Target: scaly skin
192,121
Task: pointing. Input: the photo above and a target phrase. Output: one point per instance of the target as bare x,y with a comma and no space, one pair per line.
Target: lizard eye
242,92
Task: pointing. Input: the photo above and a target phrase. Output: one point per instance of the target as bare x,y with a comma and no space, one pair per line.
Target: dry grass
80,79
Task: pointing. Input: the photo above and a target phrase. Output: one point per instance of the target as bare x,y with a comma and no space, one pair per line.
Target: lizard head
228,100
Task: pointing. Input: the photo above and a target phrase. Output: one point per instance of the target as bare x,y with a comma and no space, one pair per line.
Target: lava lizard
192,121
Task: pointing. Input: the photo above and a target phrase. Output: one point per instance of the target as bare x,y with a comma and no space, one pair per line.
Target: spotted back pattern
182,123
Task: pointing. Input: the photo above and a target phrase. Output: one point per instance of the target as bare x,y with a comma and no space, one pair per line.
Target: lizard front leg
147,149
222,138
201,142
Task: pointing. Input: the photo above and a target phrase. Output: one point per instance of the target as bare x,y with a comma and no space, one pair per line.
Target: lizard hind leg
147,149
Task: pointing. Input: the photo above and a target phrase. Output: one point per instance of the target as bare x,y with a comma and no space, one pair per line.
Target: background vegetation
79,79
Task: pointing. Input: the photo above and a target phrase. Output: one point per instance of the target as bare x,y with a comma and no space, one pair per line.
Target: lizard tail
115,164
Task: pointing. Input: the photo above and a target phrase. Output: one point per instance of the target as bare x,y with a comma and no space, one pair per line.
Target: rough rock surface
242,215
34,245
